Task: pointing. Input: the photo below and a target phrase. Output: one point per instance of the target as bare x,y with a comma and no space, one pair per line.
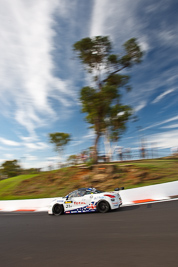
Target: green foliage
11,168
133,53
59,140
103,106
93,52
119,115
73,159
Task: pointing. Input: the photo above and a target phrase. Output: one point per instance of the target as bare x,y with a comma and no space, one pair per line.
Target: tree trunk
95,157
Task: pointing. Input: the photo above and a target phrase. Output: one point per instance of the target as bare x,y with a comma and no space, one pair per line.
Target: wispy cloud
2,160
164,140
39,81
76,143
140,106
161,96
160,123
105,14
109,19
26,64
30,157
56,158
29,138
9,156
123,20
170,126
87,137
90,134
9,142
36,146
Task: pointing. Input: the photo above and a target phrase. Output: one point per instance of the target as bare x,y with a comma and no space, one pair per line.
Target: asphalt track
141,235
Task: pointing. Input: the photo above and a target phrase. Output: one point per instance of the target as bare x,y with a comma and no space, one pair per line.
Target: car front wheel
103,206
58,209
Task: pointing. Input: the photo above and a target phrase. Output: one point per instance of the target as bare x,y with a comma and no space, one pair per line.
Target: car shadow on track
127,208
121,209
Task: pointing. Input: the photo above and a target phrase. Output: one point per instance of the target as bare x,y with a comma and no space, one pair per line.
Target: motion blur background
40,78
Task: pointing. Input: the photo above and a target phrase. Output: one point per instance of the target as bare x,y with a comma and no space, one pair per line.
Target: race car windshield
77,193
83,191
93,191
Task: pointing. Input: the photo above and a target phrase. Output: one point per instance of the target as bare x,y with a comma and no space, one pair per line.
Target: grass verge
60,182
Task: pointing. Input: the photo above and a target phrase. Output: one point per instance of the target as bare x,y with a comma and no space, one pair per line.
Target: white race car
86,200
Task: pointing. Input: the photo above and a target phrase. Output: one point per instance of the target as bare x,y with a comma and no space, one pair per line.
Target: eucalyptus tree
102,101
60,140
11,168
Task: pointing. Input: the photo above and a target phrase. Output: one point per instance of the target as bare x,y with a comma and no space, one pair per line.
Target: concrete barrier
26,204
150,193
129,197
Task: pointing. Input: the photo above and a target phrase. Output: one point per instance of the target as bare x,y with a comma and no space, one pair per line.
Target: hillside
102,176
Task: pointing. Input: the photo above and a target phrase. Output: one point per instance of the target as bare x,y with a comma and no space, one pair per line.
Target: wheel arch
58,204
101,200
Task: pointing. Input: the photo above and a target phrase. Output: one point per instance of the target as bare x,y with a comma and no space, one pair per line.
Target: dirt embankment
102,176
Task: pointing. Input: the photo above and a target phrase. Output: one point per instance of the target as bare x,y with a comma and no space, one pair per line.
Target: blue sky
40,77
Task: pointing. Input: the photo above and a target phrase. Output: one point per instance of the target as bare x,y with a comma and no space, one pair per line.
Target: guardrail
129,197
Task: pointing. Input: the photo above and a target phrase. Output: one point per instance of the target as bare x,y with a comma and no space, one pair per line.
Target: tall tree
11,168
102,102
60,140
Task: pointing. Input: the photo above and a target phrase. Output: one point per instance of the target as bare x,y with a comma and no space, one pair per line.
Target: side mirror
67,197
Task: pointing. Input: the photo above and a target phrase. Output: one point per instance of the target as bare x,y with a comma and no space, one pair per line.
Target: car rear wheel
58,209
103,206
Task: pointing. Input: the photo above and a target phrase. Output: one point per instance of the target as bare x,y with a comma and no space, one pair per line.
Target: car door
69,202
78,204
90,202
75,202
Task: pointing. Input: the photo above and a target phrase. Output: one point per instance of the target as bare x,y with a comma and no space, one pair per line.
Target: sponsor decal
89,208
67,202
92,206
79,203
99,197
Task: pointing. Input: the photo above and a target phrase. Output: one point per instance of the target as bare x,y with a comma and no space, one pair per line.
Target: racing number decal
68,206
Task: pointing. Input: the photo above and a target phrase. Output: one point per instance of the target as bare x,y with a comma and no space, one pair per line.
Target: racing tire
103,206
58,209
